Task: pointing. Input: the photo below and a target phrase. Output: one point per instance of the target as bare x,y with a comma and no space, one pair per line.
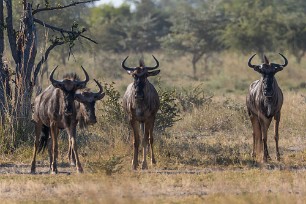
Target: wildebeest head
69,86
268,70
88,99
140,75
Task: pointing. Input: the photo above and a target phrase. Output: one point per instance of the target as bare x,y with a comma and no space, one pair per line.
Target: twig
61,7
62,30
43,59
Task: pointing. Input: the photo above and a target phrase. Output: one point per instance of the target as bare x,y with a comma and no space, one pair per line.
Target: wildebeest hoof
80,171
53,172
153,161
33,170
134,165
72,164
144,166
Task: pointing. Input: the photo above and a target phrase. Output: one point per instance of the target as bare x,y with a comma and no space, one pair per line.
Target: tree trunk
194,69
2,67
26,53
195,58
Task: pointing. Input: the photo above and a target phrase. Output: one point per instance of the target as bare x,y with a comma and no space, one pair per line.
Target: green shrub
168,112
193,97
109,166
111,107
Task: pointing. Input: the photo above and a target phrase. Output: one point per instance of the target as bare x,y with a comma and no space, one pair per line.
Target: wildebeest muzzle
69,100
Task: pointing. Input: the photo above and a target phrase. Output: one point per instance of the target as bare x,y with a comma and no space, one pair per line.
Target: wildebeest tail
43,138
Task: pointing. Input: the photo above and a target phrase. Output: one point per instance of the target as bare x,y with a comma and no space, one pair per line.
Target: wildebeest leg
71,156
38,128
264,129
135,128
50,152
276,126
150,128
145,134
257,142
72,135
54,135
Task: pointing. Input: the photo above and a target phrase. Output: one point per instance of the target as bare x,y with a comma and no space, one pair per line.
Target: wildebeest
141,103
55,108
264,101
85,107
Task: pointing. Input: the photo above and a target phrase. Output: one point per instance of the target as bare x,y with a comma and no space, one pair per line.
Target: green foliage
195,97
112,111
195,31
113,165
120,30
168,112
106,23
253,25
110,166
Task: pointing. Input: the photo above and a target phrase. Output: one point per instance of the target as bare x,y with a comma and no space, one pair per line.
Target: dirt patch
11,168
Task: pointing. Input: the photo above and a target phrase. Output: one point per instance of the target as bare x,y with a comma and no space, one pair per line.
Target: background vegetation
203,137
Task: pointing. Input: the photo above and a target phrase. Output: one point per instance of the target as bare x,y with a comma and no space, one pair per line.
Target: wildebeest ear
257,69
57,85
99,96
153,73
80,98
277,67
80,86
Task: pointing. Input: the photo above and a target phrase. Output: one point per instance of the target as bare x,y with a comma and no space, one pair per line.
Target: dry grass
251,186
204,158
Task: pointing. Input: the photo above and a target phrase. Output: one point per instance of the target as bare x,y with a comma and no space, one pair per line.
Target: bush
168,112
112,111
193,97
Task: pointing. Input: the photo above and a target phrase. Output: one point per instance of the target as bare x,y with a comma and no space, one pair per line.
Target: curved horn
156,66
100,87
286,61
250,60
125,67
86,76
100,94
53,81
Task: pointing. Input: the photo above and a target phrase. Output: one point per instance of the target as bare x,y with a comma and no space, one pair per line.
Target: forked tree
17,82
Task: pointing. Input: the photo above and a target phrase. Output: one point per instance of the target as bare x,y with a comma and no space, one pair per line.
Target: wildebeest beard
268,94
140,107
140,97
268,85
268,106
69,101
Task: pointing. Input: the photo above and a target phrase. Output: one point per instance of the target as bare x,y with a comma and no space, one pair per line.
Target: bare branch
87,38
44,59
52,27
63,30
61,7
